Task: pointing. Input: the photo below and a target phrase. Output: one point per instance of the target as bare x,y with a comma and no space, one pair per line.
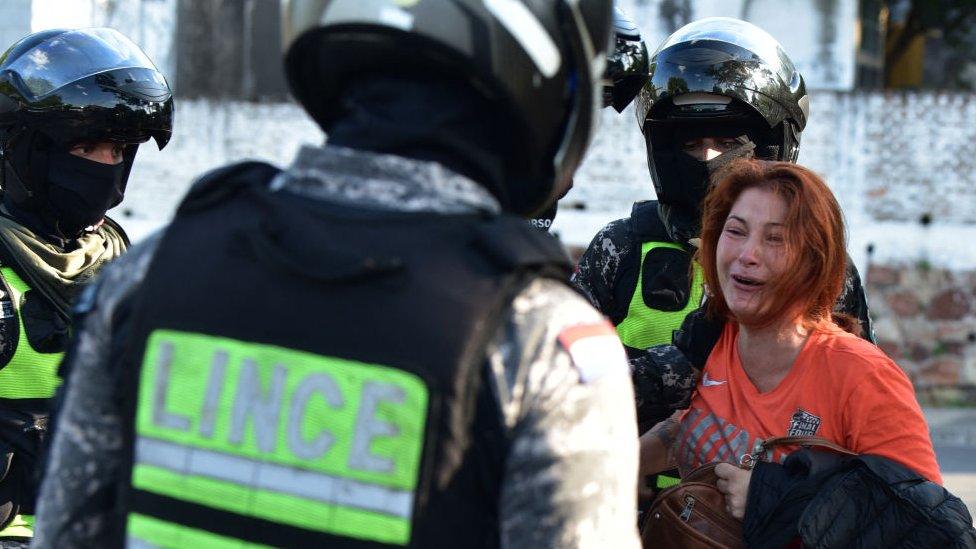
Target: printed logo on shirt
594,348
803,424
707,382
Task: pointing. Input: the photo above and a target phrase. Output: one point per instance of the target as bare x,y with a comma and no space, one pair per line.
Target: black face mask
688,181
82,190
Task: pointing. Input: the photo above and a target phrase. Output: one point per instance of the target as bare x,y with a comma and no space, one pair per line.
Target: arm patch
594,349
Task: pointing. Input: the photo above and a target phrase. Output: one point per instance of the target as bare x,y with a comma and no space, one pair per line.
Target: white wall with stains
893,160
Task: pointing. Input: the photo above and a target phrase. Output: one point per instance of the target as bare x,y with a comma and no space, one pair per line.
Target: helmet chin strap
745,149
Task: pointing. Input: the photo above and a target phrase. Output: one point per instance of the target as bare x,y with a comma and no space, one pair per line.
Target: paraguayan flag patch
594,348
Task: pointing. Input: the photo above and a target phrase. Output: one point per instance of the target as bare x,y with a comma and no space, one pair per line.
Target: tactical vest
33,336
320,381
669,284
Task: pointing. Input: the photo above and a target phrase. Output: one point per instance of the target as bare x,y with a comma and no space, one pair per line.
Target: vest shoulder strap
646,223
215,186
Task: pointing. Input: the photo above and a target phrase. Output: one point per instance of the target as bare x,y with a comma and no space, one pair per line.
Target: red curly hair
815,241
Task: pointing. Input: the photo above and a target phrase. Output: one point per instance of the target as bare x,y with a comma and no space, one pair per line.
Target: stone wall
925,319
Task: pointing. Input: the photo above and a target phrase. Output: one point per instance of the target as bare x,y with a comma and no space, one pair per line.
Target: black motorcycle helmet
59,88
623,78
627,64
716,77
541,61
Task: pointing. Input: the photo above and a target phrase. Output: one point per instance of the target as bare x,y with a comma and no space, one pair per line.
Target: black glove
697,336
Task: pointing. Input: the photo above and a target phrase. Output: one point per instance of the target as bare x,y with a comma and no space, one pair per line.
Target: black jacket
830,501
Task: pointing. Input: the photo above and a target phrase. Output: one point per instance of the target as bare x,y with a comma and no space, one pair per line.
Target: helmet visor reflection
737,32
75,55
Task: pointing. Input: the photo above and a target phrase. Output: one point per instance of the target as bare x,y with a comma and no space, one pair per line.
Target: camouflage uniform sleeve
853,301
596,273
665,376
76,504
570,477
664,380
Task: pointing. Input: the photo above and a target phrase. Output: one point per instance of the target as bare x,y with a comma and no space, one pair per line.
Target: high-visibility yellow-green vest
645,326
22,526
29,374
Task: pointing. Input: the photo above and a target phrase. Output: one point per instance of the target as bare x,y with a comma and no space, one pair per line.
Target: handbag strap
748,461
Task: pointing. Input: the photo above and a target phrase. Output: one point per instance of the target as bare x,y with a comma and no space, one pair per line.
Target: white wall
890,158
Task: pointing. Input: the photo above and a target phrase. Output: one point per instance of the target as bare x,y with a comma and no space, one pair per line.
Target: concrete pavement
953,432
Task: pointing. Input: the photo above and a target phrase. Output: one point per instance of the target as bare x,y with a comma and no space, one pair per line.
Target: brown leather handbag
692,514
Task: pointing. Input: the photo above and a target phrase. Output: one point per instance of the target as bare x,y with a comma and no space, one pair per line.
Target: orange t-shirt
841,388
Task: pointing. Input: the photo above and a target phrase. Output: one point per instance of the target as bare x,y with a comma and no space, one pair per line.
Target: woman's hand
734,483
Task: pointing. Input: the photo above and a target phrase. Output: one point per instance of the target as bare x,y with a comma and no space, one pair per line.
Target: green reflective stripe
147,532
645,327
29,374
322,443
664,481
22,526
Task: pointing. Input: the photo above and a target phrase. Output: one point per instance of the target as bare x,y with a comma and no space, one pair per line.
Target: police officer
719,89
623,78
367,348
74,106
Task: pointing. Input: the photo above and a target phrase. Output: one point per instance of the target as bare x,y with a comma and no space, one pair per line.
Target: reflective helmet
542,62
59,88
716,77
627,64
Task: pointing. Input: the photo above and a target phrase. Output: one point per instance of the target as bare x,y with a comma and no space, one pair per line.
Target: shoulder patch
594,348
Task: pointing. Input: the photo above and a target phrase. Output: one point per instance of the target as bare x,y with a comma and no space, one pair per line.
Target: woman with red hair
773,256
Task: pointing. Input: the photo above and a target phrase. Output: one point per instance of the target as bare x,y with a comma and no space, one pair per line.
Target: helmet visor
75,55
740,33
